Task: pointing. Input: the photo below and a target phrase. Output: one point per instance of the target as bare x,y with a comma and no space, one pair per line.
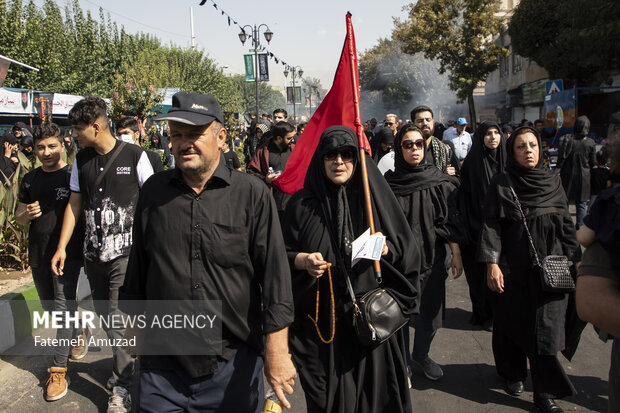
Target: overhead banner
16,102
263,67
43,105
289,95
62,104
248,59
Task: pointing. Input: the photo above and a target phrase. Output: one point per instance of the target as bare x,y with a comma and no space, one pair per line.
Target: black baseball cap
193,109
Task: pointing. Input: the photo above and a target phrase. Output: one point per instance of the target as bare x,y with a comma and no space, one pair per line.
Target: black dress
528,322
479,166
344,376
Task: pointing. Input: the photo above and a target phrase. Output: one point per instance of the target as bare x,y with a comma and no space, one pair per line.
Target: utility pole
191,25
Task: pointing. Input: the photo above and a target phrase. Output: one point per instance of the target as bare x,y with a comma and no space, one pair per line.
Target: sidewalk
470,383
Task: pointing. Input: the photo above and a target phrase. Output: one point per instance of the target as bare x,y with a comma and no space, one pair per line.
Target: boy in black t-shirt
43,197
600,175
230,157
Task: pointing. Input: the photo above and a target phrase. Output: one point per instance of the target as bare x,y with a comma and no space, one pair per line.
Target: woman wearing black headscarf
528,323
428,198
320,223
382,143
486,158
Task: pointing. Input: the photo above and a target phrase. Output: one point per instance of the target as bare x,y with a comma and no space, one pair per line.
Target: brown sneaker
81,348
56,384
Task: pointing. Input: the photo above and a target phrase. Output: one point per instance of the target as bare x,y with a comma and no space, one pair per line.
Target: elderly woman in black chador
320,223
486,158
529,322
428,198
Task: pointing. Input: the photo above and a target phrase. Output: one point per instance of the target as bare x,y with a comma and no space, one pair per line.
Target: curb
16,310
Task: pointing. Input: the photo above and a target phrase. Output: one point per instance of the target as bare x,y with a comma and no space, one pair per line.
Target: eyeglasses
347,155
388,123
409,144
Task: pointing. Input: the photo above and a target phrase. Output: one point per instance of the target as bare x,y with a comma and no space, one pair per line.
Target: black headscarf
581,129
383,135
480,164
405,178
536,187
317,182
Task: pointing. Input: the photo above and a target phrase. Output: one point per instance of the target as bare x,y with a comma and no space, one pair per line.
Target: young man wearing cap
105,181
227,246
460,138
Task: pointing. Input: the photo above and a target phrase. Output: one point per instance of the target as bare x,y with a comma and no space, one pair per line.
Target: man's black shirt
277,160
155,161
224,243
51,189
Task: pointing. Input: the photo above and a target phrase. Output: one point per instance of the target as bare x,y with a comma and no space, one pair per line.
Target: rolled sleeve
596,263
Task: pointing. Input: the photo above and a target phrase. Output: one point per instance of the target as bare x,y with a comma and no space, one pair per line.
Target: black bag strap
529,235
109,163
340,262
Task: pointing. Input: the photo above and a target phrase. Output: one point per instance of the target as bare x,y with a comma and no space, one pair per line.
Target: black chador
344,376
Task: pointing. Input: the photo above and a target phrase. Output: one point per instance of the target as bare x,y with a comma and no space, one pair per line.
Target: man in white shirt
460,138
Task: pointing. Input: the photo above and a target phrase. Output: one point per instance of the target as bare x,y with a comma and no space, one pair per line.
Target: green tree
268,97
574,40
398,79
459,34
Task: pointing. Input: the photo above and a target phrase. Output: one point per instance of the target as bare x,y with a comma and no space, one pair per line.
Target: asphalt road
470,383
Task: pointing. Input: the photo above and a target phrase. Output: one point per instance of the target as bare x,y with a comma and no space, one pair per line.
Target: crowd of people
181,221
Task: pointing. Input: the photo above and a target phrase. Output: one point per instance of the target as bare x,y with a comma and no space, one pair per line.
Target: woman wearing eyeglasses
486,158
338,373
428,198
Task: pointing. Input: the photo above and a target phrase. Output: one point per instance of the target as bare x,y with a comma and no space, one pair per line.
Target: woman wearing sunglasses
338,373
428,198
486,158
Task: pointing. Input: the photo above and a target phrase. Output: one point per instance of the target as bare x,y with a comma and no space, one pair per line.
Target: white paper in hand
367,246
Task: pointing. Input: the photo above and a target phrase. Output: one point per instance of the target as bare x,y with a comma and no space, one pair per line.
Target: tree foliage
399,78
459,34
78,53
574,40
268,97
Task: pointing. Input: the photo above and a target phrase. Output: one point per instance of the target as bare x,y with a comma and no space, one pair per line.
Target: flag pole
359,130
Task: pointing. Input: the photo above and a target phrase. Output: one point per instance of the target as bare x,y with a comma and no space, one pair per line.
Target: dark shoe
514,388
547,405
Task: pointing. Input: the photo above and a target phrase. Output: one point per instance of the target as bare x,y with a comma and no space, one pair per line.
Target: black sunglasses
388,123
409,144
347,155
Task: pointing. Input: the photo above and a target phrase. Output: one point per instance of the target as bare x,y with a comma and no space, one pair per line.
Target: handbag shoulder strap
527,230
109,163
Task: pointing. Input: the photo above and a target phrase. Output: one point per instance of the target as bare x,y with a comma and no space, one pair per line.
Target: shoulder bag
555,272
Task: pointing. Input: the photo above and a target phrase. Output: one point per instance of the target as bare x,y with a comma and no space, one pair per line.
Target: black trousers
105,279
237,386
548,377
475,272
59,294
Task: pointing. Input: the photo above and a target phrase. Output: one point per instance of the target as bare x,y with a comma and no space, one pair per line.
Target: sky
308,34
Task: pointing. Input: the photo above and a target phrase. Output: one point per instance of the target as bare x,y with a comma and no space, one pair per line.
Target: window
517,63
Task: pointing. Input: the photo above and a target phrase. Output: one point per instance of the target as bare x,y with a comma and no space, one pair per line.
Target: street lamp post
296,72
255,43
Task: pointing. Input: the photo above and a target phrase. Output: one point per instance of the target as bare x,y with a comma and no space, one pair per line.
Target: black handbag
376,315
555,271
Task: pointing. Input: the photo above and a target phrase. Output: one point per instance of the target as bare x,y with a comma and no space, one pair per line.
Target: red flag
341,106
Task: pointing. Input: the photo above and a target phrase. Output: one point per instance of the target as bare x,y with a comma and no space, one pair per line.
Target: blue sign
554,86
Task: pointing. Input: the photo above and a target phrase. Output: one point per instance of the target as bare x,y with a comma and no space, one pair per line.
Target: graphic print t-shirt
109,208
51,189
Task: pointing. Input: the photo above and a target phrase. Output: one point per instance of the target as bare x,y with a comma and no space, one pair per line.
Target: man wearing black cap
227,246
106,178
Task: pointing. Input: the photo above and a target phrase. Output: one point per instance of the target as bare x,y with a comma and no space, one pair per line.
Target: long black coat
576,156
534,319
